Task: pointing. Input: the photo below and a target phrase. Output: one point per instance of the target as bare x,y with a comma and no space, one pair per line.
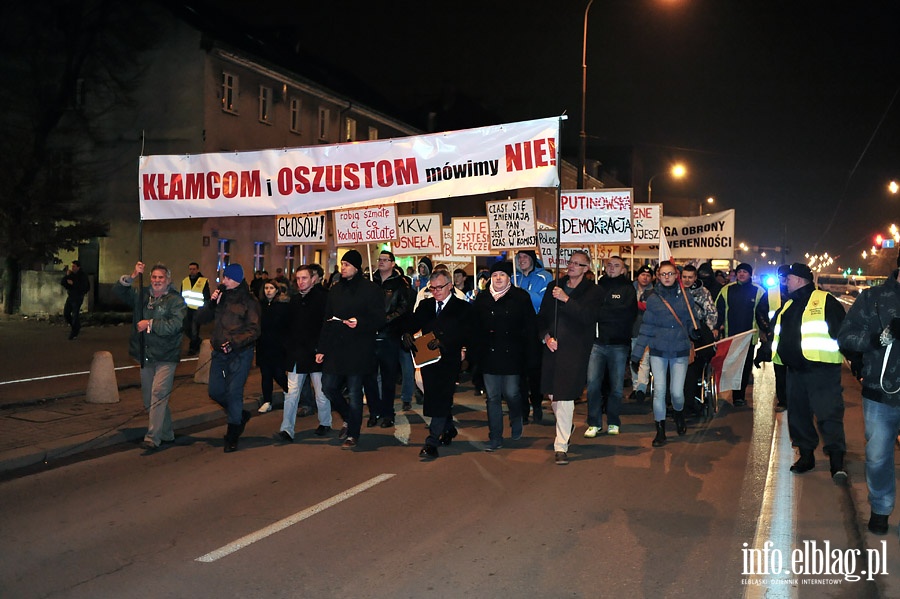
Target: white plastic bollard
201,375
102,385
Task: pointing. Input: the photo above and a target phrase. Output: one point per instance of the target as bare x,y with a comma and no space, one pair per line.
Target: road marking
58,376
291,520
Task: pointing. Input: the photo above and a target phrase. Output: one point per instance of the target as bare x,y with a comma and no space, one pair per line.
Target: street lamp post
710,200
678,171
582,135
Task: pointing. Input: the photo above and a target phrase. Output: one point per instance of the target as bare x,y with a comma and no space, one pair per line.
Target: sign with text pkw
647,220
418,234
511,224
298,229
365,225
470,236
709,236
601,216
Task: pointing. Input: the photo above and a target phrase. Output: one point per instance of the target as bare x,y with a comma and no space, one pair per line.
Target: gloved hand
856,366
763,354
635,365
434,344
695,334
408,343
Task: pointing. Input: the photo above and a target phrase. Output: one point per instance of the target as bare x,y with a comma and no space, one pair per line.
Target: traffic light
879,240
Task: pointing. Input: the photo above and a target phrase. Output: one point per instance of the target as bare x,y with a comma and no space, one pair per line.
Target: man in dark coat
566,326
353,312
504,342
449,318
77,285
306,313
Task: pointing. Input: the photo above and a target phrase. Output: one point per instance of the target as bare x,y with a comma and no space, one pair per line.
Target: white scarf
497,294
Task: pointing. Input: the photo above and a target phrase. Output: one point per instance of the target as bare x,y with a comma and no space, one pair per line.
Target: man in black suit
449,318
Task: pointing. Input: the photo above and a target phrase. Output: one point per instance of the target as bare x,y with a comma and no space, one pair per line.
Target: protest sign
447,256
709,236
547,245
470,236
647,220
418,234
511,224
600,216
297,229
365,225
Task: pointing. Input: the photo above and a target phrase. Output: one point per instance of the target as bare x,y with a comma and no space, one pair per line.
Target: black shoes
640,396
739,402
680,425
660,438
407,406
283,437
805,463
878,524
345,431
372,421
428,452
838,474
561,458
387,423
448,436
349,443
322,430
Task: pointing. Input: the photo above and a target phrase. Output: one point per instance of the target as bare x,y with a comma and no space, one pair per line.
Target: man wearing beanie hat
424,268
743,306
533,278
354,311
806,331
872,328
237,327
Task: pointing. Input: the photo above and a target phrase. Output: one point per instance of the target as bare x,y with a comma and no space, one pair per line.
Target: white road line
291,520
59,376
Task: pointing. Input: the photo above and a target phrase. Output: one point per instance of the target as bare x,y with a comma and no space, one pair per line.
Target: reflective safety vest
774,300
759,294
193,294
815,342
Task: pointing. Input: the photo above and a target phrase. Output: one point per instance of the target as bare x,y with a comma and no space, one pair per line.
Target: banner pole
140,306
558,222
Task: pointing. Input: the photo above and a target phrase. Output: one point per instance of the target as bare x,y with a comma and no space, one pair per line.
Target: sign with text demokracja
601,216
313,178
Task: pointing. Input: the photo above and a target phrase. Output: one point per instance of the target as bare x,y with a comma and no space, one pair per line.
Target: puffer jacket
237,317
163,342
861,332
665,337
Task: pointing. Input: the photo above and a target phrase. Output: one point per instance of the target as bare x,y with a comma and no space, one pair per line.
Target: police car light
770,281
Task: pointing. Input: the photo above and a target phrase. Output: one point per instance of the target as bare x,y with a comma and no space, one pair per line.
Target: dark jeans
816,392
72,313
270,373
781,384
227,375
498,387
604,359
387,352
745,376
437,427
351,412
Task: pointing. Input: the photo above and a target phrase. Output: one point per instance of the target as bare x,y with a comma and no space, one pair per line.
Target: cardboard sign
601,216
470,236
511,224
297,229
647,220
365,225
447,256
547,245
418,234
706,236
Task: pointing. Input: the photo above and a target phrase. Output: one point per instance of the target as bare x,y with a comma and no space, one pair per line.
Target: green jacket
163,342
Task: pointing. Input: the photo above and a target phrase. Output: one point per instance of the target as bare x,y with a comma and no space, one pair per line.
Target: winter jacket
273,329
535,283
398,304
641,296
704,305
665,337
351,351
861,332
741,307
572,323
789,350
163,342
306,313
616,310
505,333
77,284
237,317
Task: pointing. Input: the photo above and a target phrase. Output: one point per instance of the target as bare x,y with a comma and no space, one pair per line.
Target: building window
265,103
324,115
229,92
295,115
259,255
350,129
289,257
224,252
373,133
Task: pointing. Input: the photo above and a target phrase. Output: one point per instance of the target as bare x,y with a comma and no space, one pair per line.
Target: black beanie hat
502,266
427,262
353,257
744,266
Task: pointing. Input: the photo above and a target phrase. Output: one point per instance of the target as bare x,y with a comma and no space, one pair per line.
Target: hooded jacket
535,282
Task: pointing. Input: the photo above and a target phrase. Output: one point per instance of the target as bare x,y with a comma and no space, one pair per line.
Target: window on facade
229,92
295,115
324,115
350,129
265,104
259,255
373,133
289,260
224,257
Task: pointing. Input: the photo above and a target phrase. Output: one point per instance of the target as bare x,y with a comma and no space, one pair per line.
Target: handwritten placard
446,256
511,224
647,219
418,234
470,236
547,241
600,216
291,229
365,225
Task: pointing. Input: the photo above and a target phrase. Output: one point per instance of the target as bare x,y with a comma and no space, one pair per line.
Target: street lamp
582,135
677,171
893,187
710,200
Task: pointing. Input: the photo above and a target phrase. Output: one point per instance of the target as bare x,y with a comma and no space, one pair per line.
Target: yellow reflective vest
774,300
193,294
815,342
759,293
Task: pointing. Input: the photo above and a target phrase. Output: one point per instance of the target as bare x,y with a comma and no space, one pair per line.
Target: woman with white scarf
504,333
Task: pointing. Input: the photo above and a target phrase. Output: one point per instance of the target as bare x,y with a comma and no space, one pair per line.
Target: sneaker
878,524
561,458
322,430
350,443
266,407
591,432
492,447
345,431
149,446
612,429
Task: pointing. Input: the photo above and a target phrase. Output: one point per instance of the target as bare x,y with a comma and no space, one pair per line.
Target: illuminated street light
678,171
893,187
710,200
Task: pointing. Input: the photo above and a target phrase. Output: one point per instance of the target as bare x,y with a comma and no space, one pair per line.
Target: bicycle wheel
709,391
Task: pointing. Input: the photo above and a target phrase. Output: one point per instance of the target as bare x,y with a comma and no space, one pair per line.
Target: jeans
227,375
72,313
676,368
641,378
498,387
387,352
295,382
437,427
612,358
351,412
409,377
882,425
156,387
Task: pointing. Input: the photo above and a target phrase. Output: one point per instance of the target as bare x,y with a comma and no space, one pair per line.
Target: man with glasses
616,311
566,325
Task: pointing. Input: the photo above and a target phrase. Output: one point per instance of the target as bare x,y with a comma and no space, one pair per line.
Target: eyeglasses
432,289
667,274
578,264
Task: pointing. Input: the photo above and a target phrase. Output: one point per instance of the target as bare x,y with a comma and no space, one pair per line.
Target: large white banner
600,216
709,236
308,179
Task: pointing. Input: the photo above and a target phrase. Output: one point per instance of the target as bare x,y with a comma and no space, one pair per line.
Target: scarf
497,294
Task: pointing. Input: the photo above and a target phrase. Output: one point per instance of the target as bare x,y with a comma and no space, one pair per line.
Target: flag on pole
728,363
665,254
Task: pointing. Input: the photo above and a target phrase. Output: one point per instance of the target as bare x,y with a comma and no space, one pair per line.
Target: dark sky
780,108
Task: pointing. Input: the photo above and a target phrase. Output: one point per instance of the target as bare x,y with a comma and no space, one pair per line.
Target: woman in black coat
270,345
567,322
